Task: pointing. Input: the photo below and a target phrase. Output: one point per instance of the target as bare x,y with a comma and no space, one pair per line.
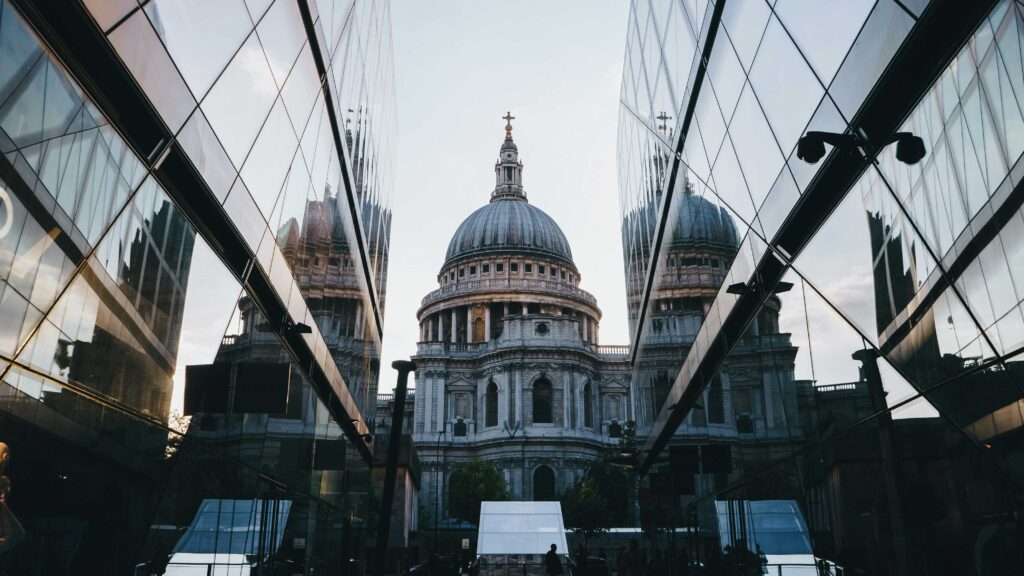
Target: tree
614,486
471,484
626,455
586,511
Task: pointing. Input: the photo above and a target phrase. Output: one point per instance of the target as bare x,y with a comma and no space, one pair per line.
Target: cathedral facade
509,365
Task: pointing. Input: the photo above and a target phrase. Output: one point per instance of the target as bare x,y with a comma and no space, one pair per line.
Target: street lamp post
437,485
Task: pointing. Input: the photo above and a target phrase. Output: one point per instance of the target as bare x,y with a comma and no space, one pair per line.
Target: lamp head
909,148
810,148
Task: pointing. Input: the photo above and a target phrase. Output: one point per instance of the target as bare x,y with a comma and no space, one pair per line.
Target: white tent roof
520,528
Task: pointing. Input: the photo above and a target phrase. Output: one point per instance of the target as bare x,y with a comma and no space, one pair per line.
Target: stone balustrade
509,285
473,349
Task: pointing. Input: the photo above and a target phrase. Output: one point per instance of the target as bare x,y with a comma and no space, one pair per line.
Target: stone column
455,335
505,309
526,308
430,329
428,412
469,324
439,406
586,328
518,375
487,322
568,399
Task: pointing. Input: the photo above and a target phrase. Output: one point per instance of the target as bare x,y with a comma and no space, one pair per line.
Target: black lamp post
437,483
404,367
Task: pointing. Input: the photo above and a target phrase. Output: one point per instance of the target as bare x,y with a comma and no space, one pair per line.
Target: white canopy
520,528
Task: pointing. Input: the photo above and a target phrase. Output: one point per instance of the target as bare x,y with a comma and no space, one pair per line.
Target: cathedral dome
698,220
507,225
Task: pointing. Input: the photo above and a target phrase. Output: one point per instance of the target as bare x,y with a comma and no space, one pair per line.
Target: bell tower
508,170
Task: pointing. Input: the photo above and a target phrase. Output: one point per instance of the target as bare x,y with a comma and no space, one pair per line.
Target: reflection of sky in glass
237,119
200,36
827,27
208,309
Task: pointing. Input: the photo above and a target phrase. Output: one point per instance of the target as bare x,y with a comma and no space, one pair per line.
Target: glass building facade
827,355
194,218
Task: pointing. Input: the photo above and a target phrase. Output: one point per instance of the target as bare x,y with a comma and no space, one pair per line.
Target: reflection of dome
509,225
698,220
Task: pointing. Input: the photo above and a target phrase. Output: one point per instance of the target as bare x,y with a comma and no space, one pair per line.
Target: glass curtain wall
110,292
866,418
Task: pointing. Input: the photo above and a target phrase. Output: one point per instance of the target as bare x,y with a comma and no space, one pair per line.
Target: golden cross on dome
508,118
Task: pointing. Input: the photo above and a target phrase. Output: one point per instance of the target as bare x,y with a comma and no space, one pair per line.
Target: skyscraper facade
825,317
194,217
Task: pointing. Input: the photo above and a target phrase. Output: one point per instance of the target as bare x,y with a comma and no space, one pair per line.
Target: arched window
588,407
491,404
543,484
542,402
478,330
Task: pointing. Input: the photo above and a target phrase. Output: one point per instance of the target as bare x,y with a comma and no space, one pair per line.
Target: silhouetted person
622,562
657,566
683,559
433,565
581,560
551,561
637,559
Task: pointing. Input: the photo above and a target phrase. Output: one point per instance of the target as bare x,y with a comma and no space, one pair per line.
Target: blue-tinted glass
824,31
883,33
745,22
785,86
756,149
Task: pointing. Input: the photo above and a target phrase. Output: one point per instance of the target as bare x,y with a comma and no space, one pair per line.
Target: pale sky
459,66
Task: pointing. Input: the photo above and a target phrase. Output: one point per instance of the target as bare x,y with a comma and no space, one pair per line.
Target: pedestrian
551,561
637,559
656,567
622,562
684,563
581,561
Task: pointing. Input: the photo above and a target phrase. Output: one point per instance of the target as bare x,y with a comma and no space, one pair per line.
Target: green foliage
471,484
622,459
614,486
627,441
586,511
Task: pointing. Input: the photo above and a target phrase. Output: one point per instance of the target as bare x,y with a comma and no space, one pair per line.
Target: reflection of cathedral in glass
139,214
754,397
301,445
94,267
509,368
852,369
